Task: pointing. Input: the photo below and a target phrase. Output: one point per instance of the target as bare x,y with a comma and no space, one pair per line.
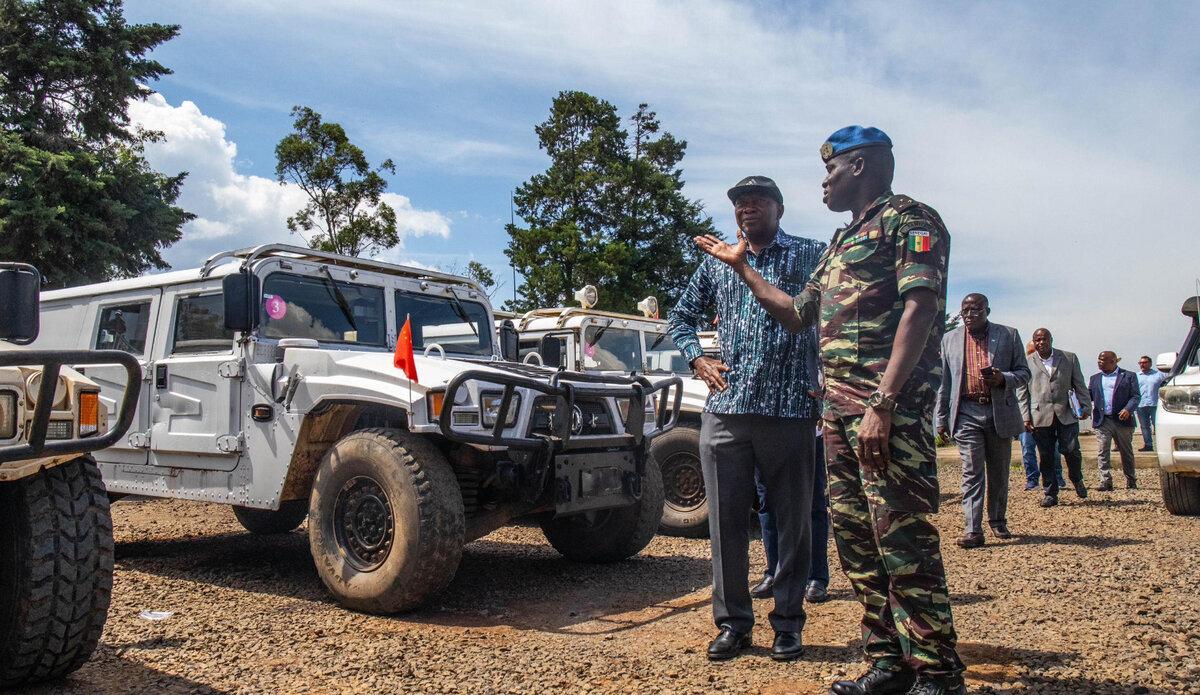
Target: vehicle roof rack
251,254
564,313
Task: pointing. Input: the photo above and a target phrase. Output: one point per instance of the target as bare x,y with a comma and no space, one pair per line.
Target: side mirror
509,341
241,292
1191,308
1166,361
20,284
550,350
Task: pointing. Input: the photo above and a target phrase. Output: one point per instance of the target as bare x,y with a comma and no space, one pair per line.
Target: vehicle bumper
1177,442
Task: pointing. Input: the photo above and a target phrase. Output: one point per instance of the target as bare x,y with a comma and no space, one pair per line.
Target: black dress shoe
876,681
1081,491
930,686
728,644
765,588
816,592
787,646
1132,485
1049,501
1146,448
1001,531
1105,487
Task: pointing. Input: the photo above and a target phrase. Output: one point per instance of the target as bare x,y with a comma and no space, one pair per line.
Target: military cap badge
826,150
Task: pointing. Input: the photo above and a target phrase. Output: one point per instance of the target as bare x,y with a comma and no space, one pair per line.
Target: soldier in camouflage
879,292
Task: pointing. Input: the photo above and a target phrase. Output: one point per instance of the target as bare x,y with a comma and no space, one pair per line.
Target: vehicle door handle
160,376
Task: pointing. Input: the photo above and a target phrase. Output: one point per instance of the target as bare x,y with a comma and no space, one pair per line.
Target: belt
981,400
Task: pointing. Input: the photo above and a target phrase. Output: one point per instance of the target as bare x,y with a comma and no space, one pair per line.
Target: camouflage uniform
889,549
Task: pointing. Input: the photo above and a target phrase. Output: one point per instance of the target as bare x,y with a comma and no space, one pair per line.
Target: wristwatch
881,401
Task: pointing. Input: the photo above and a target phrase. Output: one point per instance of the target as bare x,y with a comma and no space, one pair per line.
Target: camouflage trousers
889,549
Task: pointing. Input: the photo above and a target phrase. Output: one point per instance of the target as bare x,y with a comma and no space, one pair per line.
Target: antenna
512,222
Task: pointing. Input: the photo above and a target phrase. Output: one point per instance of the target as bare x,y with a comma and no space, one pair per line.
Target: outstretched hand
732,255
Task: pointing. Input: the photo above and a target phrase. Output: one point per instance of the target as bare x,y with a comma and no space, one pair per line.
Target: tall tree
608,211
345,213
78,199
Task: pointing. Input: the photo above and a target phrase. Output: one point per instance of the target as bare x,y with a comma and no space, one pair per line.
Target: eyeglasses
974,312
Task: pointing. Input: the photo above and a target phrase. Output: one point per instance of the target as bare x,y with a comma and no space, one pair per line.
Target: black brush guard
51,361
565,387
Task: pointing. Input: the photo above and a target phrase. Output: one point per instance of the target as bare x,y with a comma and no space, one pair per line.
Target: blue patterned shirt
771,370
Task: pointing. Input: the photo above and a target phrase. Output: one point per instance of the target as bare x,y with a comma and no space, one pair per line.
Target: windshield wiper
661,338
462,313
340,298
599,334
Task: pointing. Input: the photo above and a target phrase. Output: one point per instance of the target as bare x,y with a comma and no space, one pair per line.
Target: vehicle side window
200,325
123,327
297,306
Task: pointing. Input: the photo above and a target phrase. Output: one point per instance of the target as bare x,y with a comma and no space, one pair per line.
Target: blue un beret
853,137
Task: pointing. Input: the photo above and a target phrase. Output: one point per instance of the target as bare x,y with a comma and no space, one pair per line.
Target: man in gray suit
1050,415
983,365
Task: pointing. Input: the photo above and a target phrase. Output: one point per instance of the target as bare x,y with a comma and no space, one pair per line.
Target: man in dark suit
1050,415
983,365
1115,395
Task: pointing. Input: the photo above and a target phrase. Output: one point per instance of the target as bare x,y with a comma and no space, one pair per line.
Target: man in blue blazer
1115,395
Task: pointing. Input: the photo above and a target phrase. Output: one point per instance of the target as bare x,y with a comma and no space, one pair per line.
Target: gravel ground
1096,596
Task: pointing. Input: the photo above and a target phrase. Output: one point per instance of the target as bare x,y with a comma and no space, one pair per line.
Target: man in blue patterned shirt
758,416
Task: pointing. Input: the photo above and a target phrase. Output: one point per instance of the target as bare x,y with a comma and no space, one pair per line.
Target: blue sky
1058,140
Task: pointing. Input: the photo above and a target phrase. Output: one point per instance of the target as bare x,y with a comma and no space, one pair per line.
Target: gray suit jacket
1048,395
1006,352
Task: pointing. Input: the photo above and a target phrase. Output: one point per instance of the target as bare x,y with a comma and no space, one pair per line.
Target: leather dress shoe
876,681
765,588
728,644
929,686
787,646
1001,531
1131,485
1146,448
1049,501
971,540
1081,491
816,592
1105,487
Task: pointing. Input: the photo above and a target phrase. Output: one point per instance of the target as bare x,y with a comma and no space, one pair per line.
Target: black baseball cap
756,184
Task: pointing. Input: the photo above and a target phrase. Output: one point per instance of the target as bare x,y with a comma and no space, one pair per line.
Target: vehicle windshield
662,357
300,306
611,349
459,326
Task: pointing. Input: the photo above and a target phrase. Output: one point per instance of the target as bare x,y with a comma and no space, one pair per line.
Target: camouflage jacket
896,245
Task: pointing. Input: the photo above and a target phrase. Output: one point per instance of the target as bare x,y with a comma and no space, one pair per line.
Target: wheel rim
363,523
683,481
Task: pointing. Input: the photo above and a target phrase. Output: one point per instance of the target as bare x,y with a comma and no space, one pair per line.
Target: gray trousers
1113,430
782,450
985,466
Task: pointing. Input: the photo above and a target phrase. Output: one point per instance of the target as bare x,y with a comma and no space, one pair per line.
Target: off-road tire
611,534
56,571
426,510
678,455
1181,493
265,522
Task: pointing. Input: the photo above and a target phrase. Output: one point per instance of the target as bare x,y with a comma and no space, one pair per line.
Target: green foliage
608,211
953,321
77,198
344,214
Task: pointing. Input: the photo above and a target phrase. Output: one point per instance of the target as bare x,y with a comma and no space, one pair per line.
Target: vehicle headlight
34,386
490,405
89,413
623,406
1180,399
8,414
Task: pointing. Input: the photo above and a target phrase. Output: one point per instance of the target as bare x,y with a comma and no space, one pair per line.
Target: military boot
941,686
876,681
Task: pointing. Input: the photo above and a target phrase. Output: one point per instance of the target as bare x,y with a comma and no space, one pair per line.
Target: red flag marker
404,351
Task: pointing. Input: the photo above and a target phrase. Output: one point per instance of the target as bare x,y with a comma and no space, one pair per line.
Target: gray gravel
1092,597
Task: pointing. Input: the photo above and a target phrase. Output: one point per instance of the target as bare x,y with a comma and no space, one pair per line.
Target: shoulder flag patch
919,240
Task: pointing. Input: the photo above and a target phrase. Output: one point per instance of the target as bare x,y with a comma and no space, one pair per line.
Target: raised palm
731,254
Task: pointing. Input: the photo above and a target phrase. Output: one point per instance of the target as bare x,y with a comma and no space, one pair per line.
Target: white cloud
237,210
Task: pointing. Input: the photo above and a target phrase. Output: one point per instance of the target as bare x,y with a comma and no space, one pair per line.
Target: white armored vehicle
376,400
586,339
1177,422
56,544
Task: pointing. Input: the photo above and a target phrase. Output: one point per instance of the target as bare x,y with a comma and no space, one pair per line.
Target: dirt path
1096,596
